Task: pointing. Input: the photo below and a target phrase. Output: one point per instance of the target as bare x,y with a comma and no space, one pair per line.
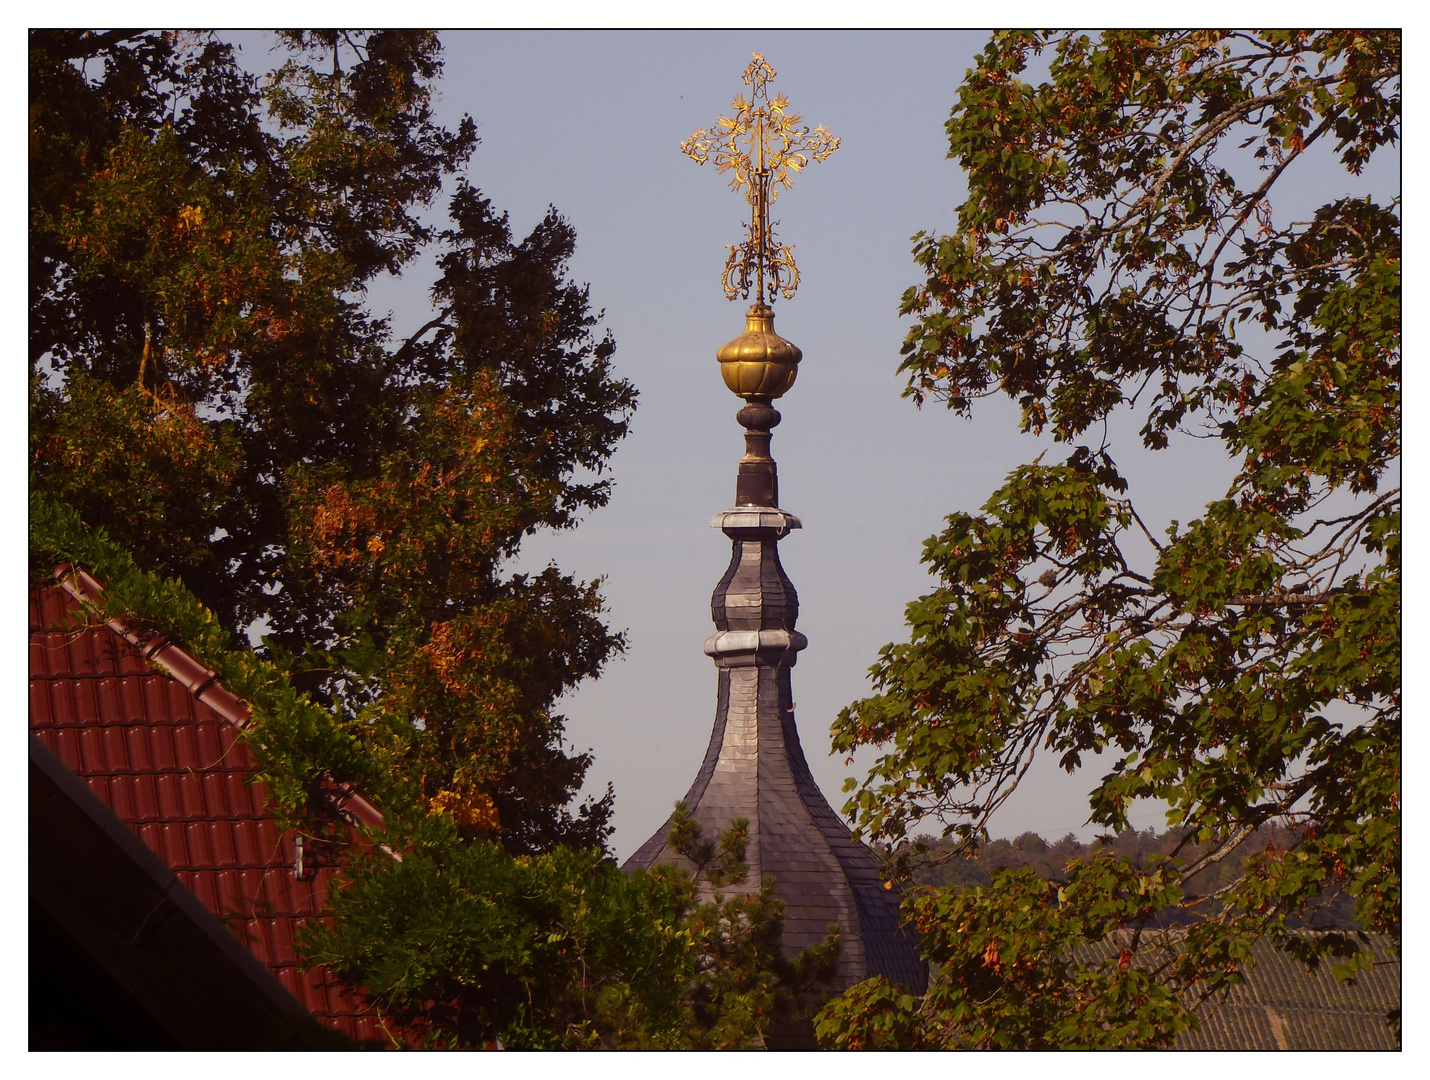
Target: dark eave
170,961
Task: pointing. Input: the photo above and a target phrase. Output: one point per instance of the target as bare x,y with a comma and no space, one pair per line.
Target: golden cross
763,144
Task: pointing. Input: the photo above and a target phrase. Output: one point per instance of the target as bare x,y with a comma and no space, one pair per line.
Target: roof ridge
204,684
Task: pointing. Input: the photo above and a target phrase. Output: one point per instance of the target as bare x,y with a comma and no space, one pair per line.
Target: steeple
754,766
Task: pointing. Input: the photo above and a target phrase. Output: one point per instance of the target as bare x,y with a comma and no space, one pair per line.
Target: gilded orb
759,363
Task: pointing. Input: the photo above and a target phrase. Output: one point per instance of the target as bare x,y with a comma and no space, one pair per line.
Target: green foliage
298,744
226,436
209,387
537,950
720,863
468,944
944,861
1118,254
1008,976
458,941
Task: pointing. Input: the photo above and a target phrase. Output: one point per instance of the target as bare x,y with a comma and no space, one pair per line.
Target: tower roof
754,767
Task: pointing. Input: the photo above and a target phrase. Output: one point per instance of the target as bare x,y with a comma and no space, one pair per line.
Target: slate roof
755,768
161,750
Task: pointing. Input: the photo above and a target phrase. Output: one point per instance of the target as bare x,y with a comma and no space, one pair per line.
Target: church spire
754,766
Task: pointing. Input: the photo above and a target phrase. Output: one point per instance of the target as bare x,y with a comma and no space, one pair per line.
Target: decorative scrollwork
763,144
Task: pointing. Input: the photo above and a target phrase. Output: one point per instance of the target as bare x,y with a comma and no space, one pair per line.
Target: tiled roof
1282,1005
166,758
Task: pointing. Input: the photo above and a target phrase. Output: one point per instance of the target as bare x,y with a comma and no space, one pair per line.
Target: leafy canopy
1118,254
226,435
209,386
459,942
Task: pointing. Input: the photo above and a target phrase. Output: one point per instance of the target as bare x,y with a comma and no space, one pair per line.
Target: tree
209,387
225,434
564,951
459,941
1118,255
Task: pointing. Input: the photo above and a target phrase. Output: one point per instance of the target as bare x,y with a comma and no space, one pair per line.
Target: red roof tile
161,750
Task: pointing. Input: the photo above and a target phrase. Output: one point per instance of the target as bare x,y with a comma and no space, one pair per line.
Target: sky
591,122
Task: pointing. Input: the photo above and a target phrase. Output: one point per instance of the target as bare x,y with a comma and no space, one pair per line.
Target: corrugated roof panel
232,893
258,799
263,939
225,853
249,884
125,659
316,988
59,655
107,701
189,791
245,931
280,937
175,772
72,654
37,651
50,737
86,702
274,874
138,747
91,751
155,698
268,885
160,739
152,835
130,700
179,704
42,650
289,978
205,887
64,742
215,791
186,749
146,797
46,606
280,932
250,881
62,695
65,696
118,793
116,754
203,745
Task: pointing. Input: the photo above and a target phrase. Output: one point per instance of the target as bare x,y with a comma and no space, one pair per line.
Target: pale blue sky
592,122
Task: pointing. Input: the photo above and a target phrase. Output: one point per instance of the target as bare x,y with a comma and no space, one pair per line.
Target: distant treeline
938,865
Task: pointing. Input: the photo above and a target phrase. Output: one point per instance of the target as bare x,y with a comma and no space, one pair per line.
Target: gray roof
755,768
1283,1005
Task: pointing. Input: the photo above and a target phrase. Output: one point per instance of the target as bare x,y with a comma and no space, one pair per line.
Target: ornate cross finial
763,144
